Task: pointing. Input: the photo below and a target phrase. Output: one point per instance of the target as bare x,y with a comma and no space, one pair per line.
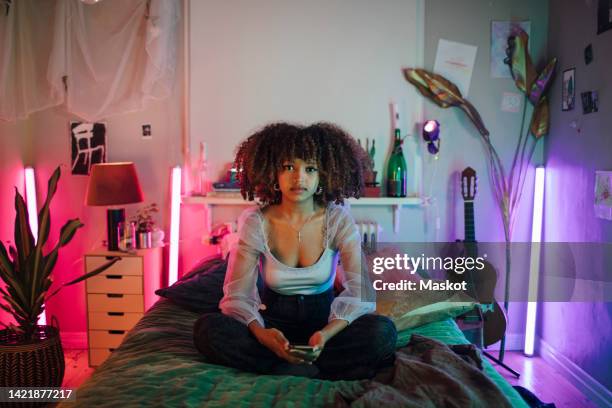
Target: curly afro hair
341,161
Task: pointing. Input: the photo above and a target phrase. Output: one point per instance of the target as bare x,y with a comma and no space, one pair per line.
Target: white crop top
241,299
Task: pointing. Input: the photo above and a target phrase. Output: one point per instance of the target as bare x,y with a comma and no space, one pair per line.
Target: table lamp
112,185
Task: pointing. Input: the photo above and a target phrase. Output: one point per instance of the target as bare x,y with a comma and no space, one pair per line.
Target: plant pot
36,363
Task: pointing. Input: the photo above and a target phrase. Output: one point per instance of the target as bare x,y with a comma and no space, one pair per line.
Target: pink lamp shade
113,184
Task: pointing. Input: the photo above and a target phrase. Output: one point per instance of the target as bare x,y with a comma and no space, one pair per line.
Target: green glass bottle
397,173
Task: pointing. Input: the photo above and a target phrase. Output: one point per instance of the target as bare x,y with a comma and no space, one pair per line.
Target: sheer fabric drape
25,49
112,55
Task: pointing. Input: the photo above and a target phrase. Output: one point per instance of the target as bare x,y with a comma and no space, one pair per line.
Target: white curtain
113,55
25,44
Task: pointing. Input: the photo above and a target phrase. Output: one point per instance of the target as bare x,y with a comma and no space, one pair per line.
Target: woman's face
298,179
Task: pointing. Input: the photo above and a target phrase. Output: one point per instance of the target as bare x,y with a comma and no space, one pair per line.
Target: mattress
158,365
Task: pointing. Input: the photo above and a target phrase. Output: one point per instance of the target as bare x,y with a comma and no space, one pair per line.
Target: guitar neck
469,228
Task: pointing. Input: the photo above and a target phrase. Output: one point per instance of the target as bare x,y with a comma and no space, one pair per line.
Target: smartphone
302,348
305,352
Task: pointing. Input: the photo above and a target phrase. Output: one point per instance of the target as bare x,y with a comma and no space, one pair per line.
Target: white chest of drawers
118,297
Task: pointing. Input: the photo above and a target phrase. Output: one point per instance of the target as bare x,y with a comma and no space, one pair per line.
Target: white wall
255,62
258,62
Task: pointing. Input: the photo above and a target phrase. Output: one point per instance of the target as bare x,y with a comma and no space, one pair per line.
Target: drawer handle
116,331
114,277
115,313
114,295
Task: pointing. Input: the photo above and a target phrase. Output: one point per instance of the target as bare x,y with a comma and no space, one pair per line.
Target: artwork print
500,31
568,93
603,194
88,146
604,16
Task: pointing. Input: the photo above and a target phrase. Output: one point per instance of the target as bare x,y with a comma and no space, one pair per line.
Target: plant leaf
49,262
44,226
10,278
434,87
541,84
444,93
44,216
24,240
7,309
540,119
68,231
17,308
5,262
96,271
521,67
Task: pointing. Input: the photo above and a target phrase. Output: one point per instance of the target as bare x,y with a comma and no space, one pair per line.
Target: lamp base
113,217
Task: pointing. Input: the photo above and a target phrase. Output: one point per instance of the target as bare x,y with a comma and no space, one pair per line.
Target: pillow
419,307
451,308
201,289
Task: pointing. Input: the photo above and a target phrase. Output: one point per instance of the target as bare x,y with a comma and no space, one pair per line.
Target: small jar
126,235
144,239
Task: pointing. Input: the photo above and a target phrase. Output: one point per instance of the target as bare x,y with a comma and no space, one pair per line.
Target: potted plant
32,355
145,224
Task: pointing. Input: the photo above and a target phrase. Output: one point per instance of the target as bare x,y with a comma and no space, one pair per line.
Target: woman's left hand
317,340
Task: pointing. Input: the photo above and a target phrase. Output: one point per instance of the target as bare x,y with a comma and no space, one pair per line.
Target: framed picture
88,146
604,16
568,93
603,194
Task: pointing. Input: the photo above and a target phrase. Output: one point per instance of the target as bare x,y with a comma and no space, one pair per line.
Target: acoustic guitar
480,283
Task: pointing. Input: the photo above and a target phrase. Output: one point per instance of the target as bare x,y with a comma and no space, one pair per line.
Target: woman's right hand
275,341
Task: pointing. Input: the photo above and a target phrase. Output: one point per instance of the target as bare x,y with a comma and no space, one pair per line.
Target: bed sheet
158,365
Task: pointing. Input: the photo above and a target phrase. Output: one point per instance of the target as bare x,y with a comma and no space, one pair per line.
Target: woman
296,238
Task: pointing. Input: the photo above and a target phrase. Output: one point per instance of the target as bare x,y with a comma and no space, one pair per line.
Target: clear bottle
397,173
201,177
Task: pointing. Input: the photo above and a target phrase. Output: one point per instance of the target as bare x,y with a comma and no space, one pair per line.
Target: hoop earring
276,187
319,191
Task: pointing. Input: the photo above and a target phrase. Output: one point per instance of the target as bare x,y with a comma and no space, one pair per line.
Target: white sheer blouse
241,299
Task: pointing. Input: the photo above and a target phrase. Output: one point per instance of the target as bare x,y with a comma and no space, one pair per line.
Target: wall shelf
395,203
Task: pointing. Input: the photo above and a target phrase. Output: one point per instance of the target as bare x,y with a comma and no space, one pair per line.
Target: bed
158,365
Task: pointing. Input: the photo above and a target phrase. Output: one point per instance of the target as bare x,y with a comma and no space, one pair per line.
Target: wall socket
146,132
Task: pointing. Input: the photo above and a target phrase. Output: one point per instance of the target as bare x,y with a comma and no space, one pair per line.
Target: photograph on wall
603,194
590,102
604,16
568,93
88,146
500,31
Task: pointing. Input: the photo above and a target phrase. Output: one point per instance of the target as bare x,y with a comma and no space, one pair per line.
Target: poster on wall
604,16
455,61
88,146
603,194
568,92
500,31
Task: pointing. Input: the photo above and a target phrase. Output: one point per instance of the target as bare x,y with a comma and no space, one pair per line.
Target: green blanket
157,364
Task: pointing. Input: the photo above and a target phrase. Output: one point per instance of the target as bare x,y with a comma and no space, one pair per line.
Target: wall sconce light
431,134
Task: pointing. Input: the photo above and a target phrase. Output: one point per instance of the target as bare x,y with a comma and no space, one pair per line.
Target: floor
77,368
543,380
536,375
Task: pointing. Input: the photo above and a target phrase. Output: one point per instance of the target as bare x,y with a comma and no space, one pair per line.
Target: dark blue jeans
356,352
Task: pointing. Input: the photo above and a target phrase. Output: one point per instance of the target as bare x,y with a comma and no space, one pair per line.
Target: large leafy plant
507,186
26,270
